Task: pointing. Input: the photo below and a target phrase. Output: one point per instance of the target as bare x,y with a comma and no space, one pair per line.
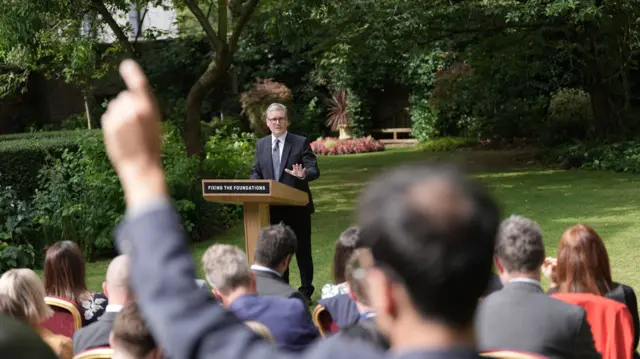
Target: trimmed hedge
444,144
23,155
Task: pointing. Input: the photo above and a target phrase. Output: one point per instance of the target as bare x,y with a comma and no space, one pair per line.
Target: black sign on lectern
237,188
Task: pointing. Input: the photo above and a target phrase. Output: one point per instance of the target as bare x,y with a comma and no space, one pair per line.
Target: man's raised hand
132,136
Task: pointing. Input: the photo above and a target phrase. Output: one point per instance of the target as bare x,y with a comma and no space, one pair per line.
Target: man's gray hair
226,267
276,107
520,246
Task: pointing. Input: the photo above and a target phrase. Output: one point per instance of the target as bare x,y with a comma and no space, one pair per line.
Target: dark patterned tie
275,156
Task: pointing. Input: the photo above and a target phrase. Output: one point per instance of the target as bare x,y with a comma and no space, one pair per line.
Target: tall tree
224,44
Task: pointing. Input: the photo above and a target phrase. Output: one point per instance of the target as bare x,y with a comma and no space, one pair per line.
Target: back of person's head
344,249
64,271
357,285
24,296
130,337
19,341
275,244
431,234
583,262
116,285
226,268
520,248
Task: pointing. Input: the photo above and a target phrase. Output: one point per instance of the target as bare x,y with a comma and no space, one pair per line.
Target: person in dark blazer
116,288
429,230
234,284
275,246
19,341
288,158
521,316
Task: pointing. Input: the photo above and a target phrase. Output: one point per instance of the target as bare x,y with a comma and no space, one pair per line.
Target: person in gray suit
428,231
521,316
275,247
116,288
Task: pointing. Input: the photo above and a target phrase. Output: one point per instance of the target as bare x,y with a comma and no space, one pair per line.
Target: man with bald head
116,288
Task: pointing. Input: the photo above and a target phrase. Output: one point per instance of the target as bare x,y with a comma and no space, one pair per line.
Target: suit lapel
267,153
285,154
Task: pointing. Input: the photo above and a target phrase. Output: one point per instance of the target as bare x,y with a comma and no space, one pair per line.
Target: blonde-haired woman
25,292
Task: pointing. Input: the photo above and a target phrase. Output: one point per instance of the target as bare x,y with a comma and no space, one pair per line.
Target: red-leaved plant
338,115
334,146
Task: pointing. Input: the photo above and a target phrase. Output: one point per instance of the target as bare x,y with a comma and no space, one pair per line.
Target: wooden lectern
255,196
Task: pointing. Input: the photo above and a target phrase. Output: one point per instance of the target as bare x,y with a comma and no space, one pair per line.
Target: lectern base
256,217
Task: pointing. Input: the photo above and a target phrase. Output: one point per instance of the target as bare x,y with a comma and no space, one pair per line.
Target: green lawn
555,199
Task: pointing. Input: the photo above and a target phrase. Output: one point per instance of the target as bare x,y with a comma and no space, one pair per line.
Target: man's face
278,122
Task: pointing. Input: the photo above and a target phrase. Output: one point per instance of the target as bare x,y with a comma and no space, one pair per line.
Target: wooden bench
395,131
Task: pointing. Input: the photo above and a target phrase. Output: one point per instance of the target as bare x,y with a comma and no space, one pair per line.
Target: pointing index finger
133,76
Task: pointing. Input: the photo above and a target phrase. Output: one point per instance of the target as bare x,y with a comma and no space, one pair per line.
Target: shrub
424,119
569,116
229,155
256,100
22,157
444,144
334,146
81,198
16,230
616,157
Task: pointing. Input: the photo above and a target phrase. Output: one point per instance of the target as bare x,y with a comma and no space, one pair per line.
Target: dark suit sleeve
187,322
310,162
256,171
584,346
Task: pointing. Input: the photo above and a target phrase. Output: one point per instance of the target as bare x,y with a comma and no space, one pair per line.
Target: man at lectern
288,158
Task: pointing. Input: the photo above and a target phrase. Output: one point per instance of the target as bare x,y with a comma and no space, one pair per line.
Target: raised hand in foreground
132,136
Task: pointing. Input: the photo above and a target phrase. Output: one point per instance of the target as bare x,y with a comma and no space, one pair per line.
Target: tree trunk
208,80
86,109
113,25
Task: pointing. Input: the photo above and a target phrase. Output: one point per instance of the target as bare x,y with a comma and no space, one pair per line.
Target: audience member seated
64,277
610,322
365,327
521,316
274,249
344,249
17,339
582,266
116,288
343,310
131,338
234,284
24,300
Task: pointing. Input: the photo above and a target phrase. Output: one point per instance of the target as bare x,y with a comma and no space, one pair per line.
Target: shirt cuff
151,205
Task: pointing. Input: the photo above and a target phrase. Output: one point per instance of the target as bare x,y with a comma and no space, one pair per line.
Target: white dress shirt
264,269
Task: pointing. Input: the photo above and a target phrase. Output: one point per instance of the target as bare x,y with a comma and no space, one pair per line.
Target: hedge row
23,155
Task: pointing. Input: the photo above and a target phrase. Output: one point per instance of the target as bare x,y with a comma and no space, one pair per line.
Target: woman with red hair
582,266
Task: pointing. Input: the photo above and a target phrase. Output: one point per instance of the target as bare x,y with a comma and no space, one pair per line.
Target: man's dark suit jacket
343,310
296,150
187,322
268,283
522,317
95,334
286,318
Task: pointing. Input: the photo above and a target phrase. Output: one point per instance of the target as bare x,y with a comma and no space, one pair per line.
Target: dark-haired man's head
275,247
131,338
345,246
519,249
430,233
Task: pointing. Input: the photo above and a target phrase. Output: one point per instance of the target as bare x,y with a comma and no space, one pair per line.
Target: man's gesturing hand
132,136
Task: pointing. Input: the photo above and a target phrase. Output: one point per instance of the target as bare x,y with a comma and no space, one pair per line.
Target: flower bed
334,146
